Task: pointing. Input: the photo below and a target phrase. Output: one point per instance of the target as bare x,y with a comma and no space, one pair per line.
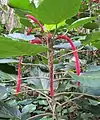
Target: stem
51,67
76,93
90,9
29,30
40,115
51,71
50,62
19,76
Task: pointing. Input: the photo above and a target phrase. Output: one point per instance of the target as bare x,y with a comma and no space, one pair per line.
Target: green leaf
93,68
7,68
7,111
46,118
11,48
43,102
90,82
26,5
90,79
28,108
91,25
3,92
97,44
6,76
55,11
25,102
39,83
80,22
21,12
94,38
9,60
25,22
53,26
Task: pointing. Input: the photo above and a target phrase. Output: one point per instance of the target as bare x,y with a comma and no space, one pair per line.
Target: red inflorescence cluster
39,41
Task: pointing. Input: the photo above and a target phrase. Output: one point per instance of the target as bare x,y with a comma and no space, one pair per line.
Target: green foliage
71,101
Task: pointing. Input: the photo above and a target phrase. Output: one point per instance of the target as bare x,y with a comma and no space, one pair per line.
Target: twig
70,100
40,115
34,77
38,91
70,52
84,94
33,64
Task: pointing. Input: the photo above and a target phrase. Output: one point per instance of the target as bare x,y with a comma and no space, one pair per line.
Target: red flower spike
29,31
36,21
74,51
36,41
19,76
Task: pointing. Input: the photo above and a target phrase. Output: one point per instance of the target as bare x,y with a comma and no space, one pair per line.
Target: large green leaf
49,11
55,11
11,48
90,81
26,5
80,22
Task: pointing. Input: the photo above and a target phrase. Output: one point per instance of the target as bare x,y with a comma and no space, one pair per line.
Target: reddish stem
50,63
74,51
19,76
29,30
36,21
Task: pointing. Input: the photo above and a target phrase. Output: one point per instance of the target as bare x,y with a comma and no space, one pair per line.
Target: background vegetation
76,97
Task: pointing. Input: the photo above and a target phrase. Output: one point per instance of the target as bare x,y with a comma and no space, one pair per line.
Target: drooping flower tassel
36,21
32,42
77,62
